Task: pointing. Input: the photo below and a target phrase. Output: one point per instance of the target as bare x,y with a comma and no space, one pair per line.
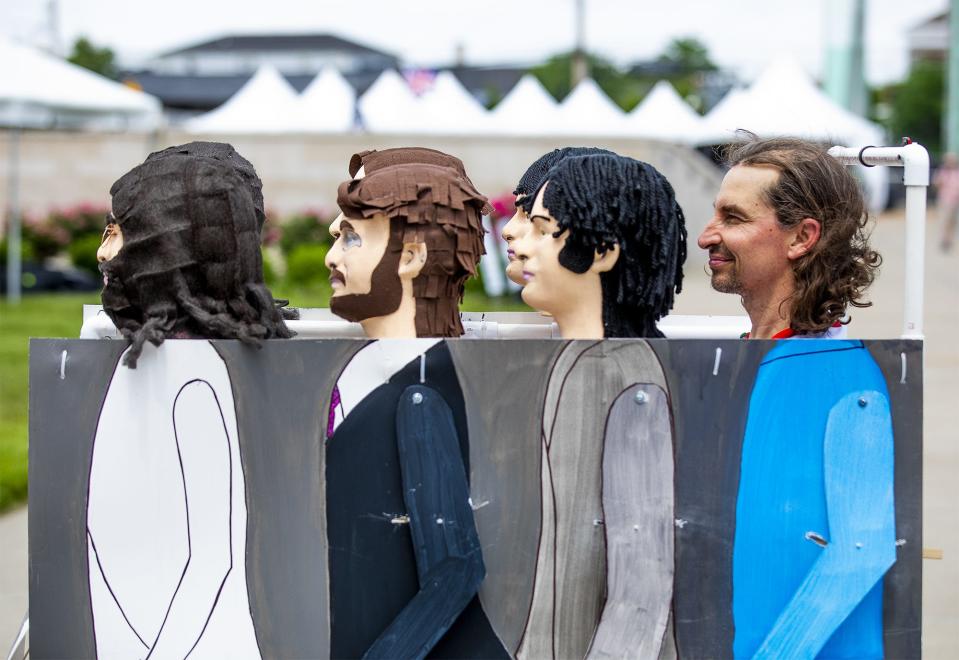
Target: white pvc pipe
915,261
914,159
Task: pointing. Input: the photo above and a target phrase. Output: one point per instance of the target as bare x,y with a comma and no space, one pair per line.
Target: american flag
420,80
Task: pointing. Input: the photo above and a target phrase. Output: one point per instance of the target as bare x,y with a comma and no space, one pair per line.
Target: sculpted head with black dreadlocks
189,262
605,251
529,183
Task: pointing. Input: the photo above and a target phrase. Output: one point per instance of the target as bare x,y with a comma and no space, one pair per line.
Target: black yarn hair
190,264
532,179
606,200
226,153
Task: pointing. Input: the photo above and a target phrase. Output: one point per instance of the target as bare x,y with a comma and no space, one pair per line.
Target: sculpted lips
337,279
527,275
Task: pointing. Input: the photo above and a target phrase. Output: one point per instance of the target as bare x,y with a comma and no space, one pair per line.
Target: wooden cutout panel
638,512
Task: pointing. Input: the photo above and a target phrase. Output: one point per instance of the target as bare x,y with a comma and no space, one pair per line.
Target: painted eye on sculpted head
351,239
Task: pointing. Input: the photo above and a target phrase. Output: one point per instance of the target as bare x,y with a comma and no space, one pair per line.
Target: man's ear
806,235
604,261
412,260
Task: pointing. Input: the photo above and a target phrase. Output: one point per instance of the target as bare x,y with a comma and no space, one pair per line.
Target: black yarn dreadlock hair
532,179
226,153
607,200
190,263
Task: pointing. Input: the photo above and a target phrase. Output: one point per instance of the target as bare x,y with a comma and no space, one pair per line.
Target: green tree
917,105
90,56
555,74
688,55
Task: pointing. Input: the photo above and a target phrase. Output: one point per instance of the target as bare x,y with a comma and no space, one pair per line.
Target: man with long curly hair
789,236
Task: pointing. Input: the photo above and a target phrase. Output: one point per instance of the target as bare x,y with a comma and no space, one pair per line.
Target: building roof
278,42
194,92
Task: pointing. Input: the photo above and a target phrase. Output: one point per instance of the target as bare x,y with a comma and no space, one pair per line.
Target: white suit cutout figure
166,516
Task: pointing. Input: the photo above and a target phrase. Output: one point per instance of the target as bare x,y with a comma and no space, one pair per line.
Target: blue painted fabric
817,461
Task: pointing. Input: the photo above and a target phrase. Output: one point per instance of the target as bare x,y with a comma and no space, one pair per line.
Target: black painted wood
902,587
63,421
709,415
445,542
373,574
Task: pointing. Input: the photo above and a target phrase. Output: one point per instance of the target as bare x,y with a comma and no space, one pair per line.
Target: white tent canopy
449,108
328,104
588,111
664,115
389,106
528,109
38,90
266,103
785,101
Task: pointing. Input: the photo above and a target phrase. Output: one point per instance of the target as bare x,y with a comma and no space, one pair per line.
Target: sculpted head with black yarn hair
616,219
529,183
534,175
190,263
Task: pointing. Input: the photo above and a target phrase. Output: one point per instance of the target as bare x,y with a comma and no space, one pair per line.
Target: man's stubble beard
726,282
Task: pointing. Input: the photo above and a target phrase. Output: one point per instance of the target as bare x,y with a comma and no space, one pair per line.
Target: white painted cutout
166,485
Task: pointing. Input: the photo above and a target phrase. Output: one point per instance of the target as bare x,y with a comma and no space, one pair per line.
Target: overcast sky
741,35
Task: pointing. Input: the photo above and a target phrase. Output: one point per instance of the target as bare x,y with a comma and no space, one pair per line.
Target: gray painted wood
503,387
571,568
638,508
282,397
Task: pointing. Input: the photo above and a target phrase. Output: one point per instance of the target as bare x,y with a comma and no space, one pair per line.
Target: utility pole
579,66
845,62
53,28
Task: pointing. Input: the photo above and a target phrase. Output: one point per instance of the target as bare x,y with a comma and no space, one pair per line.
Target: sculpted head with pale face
525,193
408,238
605,248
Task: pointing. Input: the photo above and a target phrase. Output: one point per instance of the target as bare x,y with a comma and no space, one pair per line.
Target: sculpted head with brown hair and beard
408,238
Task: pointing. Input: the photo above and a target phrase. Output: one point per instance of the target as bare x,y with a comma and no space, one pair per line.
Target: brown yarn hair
427,204
836,272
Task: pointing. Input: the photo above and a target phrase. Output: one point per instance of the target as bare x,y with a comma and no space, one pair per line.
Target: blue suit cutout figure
815,516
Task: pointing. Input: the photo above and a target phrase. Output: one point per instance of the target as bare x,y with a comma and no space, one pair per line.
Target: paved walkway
884,320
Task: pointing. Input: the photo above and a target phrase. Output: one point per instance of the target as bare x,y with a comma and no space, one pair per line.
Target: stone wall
303,171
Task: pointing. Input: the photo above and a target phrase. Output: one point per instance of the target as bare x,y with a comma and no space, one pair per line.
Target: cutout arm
203,445
858,466
449,561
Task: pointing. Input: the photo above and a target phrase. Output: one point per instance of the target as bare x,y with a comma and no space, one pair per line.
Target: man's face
548,286
359,245
515,229
747,246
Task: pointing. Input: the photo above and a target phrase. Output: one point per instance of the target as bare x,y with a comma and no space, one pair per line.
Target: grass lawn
60,315
43,315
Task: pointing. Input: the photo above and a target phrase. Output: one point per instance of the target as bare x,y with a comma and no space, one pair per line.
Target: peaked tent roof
588,111
328,103
664,115
785,101
449,108
389,105
267,103
528,109
38,90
